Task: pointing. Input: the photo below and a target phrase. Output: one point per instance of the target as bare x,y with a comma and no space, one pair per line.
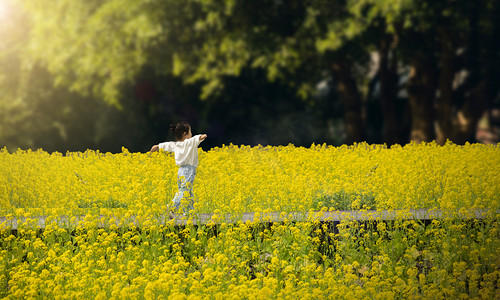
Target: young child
185,149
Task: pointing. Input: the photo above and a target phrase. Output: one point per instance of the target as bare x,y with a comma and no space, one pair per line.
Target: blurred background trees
112,73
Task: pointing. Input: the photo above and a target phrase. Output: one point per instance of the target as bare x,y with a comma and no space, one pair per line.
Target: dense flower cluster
247,179
396,259
122,249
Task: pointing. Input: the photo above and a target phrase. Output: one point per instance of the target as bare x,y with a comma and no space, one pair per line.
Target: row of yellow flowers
399,259
246,179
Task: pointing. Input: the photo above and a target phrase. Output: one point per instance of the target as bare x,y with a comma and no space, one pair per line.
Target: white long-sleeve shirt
186,152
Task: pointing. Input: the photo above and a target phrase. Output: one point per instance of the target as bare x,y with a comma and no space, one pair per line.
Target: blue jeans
185,181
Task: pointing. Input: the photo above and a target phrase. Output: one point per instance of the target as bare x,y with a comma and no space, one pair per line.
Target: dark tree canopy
401,69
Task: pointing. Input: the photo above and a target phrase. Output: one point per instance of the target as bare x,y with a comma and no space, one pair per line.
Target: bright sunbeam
4,9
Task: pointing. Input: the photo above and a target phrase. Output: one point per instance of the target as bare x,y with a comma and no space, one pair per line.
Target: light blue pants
185,181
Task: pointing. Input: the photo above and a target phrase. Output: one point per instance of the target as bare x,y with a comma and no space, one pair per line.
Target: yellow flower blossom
116,244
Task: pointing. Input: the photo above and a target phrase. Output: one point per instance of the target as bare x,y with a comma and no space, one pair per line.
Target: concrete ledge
40,222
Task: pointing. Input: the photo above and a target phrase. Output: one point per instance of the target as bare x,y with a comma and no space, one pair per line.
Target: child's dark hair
179,129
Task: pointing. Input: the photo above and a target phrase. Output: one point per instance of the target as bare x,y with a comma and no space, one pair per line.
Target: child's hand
202,137
154,148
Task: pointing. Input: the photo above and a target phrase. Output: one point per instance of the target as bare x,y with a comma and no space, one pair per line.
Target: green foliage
93,47
98,50
97,47
110,203
343,200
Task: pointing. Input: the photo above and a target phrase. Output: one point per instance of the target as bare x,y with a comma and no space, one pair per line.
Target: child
185,149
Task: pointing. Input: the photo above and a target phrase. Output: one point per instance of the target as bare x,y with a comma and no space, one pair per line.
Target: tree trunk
468,116
388,91
478,88
484,73
421,94
446,121
348,91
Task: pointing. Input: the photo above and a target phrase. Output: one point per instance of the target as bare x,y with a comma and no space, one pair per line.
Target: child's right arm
167,146
154,148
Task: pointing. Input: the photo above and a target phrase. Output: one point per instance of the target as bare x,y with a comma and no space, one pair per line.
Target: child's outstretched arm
155,148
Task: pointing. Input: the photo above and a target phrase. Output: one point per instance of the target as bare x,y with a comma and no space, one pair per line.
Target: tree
99,47
35,113
437,40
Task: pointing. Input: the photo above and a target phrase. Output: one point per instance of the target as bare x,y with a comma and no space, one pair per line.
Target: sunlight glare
4,9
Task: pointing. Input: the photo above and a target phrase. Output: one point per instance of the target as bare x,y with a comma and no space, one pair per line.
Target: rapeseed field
152,258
